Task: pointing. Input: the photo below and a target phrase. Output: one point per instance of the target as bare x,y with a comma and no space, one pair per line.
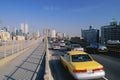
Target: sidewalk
29,68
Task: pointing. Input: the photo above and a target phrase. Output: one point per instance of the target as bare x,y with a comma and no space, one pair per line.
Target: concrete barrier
47,75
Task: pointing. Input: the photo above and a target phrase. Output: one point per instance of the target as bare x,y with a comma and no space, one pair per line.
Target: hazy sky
67,16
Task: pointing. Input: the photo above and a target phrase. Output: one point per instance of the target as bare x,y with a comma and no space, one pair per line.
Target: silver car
56,46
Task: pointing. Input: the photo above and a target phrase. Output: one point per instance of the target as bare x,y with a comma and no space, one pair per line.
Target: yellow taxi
81,65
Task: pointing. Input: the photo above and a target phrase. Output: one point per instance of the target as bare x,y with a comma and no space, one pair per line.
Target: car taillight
98,69
79,70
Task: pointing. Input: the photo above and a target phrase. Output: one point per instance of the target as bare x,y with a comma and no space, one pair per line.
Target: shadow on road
58,71
27,69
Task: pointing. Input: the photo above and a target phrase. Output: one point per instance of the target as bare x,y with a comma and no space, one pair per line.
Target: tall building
47,32
64,35
59,35
14,32
91,35
24,28
8,28
53,33
110,32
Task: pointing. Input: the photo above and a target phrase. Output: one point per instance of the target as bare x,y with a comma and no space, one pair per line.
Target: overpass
31,60
22,60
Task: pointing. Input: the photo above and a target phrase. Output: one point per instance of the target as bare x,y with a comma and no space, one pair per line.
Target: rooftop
76,52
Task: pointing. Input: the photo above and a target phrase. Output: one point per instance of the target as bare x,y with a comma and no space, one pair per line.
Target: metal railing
11,47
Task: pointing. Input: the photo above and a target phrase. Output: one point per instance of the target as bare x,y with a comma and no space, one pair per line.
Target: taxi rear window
81,58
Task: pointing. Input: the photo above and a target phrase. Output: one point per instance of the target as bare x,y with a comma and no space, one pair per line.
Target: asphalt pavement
111,65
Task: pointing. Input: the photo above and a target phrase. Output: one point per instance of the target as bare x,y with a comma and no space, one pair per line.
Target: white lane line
105,78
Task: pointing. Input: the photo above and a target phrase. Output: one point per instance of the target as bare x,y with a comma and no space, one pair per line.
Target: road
111,65
26,66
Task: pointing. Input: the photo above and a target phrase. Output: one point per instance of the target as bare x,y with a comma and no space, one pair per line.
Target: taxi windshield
81,58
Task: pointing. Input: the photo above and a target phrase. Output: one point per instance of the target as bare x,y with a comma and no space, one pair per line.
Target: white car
62,44
76,47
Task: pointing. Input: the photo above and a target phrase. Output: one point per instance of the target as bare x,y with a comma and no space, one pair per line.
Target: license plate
89,71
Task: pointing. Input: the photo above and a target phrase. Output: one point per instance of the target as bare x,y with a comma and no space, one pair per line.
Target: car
81,65
75,47
102,48
56,46
62,44
50,41
96,48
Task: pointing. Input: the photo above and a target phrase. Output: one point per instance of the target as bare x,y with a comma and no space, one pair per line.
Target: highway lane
24,66
58,71
111,65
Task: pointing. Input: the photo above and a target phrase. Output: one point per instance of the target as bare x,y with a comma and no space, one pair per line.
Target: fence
114,50
11,47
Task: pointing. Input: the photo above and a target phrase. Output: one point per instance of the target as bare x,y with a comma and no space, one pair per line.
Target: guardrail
11,47
47,75
114,50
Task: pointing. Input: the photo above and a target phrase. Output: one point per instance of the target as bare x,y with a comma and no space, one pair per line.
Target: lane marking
105,78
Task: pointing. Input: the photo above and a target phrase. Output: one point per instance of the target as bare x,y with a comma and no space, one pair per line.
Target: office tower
110,32
53,33
15,29
26,28
91,35
8,28
59,35
64,35
22,27
47,32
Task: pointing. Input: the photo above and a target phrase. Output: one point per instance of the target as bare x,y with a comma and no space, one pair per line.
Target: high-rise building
91,35
53,33
24,28
59,35
8,28
47,32
64,35
14,32
110,32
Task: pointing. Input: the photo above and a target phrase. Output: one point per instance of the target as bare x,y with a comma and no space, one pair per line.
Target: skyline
67,16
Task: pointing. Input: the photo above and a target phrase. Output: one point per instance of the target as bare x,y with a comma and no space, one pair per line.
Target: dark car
96,48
